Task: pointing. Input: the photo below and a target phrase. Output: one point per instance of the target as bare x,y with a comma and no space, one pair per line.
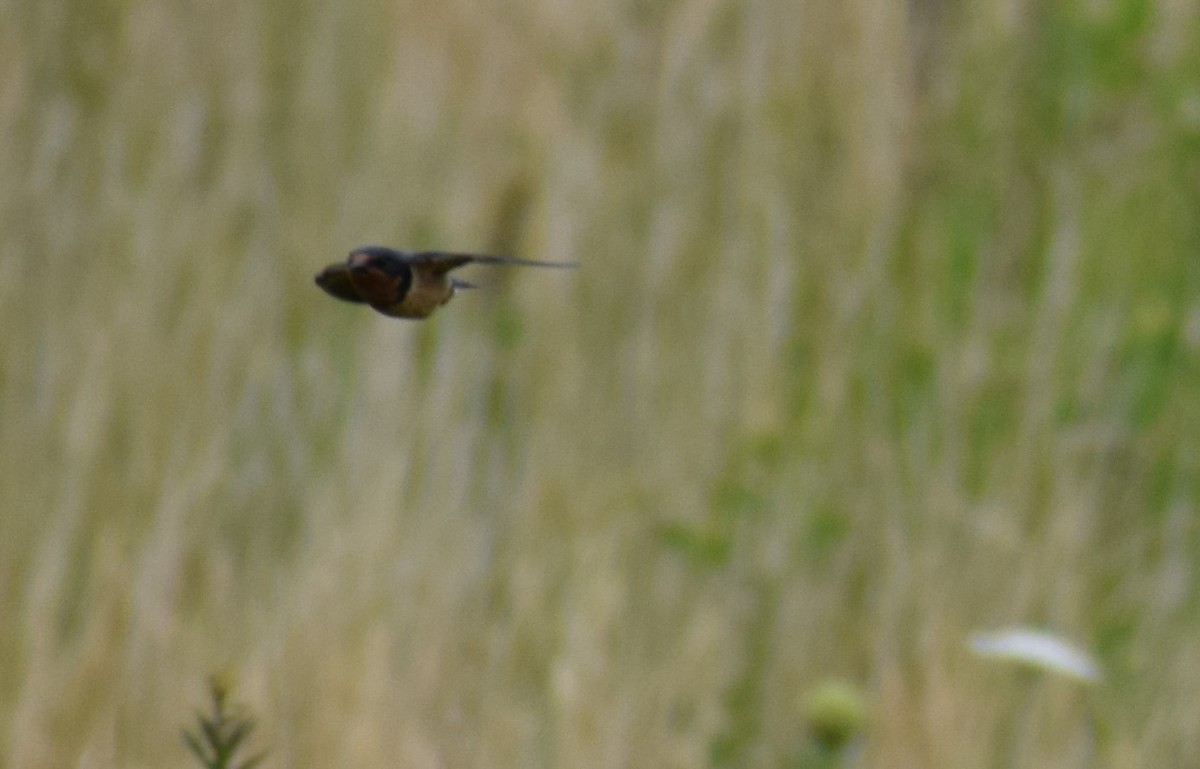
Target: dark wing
335,280
441,262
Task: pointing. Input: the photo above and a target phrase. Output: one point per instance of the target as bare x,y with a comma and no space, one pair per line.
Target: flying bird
405,284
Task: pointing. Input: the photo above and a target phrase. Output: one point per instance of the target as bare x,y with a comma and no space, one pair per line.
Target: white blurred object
1038,649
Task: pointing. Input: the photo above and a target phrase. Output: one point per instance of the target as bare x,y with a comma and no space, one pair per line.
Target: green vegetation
885,330
219,736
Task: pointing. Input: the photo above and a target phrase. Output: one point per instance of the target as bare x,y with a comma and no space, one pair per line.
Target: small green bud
836,713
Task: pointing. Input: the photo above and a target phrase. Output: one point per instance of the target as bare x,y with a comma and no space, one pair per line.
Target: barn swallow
405,284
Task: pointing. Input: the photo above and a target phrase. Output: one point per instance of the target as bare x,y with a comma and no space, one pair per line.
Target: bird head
379,274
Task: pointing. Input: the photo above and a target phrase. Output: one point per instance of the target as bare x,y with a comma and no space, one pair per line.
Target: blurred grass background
885,330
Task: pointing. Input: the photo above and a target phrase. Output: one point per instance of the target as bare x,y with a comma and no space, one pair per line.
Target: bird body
405,284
